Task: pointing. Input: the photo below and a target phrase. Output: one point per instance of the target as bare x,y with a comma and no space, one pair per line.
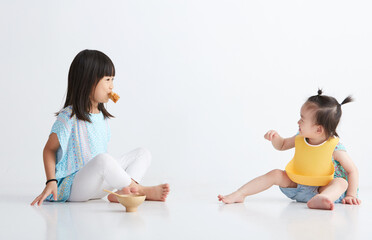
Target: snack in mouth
114,97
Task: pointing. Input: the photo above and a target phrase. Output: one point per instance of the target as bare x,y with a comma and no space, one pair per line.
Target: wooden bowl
131,201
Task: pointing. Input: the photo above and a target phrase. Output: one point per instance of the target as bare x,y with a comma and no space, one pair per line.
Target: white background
200,81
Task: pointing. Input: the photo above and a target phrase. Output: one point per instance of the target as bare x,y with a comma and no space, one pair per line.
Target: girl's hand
270,135
351,200
50,188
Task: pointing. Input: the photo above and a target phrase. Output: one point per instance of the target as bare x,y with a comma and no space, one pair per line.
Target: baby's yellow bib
312,164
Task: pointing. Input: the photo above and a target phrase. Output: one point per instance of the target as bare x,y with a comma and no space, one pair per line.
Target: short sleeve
340,147
62,128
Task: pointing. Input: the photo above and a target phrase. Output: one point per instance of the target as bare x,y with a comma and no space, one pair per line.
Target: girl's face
306,124
102,90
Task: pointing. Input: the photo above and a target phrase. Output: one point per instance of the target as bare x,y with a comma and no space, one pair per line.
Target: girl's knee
144,155
103,159
102,156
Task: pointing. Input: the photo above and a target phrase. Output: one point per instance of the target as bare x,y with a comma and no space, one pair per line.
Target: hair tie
50,180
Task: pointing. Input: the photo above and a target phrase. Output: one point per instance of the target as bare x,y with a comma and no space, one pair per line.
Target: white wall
200,81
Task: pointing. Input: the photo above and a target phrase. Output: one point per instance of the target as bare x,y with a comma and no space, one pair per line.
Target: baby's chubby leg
328,194
257,185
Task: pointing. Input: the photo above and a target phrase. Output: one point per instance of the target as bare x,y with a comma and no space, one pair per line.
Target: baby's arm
278,142
49,156
352,174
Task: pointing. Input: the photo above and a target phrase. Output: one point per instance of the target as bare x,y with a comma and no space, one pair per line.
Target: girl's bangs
109,69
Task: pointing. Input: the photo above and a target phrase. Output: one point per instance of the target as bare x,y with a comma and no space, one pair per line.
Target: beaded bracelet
50,180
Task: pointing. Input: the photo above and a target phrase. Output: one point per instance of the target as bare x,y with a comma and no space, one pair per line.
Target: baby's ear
319,129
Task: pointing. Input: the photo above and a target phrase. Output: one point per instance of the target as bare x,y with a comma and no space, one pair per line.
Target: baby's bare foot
155,193
320,202
234,197
127,190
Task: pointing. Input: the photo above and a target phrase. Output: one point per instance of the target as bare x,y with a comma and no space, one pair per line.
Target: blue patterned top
79,141
339,170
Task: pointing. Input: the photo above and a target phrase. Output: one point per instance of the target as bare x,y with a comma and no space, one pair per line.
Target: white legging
106,172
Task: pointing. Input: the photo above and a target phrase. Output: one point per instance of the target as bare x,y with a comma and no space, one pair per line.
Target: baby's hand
351,200
270,135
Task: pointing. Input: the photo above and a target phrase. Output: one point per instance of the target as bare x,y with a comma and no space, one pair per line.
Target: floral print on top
339,170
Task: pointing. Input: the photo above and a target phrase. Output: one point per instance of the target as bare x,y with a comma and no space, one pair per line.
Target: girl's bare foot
127,190
320,202
234,197
155,193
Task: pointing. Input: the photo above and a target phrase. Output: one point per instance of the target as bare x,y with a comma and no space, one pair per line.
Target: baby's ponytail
347,100
328,111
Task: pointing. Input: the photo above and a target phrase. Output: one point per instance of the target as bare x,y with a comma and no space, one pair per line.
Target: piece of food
114,97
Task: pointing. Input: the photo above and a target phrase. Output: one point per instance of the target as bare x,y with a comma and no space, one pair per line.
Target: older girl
76,161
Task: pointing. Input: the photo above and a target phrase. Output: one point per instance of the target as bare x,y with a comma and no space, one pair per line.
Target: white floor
191,212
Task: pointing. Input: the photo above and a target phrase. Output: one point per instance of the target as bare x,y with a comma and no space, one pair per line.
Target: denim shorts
304,193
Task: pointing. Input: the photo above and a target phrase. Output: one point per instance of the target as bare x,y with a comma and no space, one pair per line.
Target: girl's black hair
328,112
87,68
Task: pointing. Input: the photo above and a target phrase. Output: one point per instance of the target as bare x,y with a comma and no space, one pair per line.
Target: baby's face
306,124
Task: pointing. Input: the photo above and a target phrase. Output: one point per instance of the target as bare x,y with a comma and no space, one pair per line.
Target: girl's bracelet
50,180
